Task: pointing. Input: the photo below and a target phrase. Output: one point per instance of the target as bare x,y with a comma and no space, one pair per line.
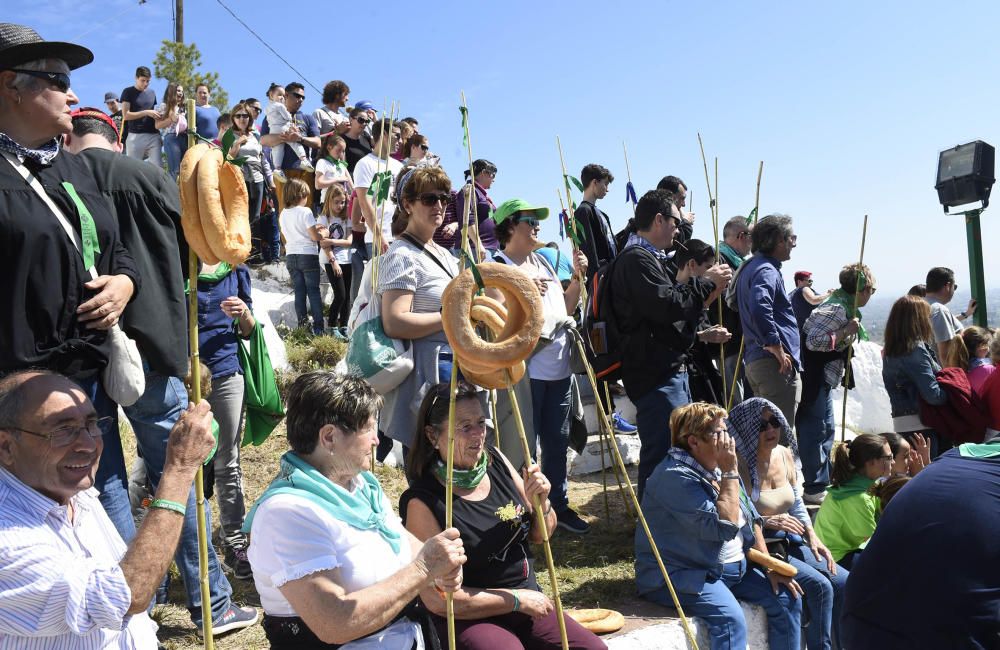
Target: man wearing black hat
115,111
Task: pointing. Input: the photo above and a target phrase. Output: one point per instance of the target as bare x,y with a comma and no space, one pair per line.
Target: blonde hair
332,193
295,191
696,419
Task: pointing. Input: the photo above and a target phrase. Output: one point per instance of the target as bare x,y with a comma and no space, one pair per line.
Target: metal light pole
974,239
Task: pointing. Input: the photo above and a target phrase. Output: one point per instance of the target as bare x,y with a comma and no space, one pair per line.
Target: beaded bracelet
165,504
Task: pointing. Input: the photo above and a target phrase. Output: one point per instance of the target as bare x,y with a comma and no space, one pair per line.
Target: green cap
508,209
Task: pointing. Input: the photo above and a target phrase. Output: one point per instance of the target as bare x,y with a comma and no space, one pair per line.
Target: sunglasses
531,221
241,116
363,120
430,199
58,79
424,147
299,95
770,422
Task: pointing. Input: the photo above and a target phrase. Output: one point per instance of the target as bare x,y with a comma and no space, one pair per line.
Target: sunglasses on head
770,422
431,199
58,79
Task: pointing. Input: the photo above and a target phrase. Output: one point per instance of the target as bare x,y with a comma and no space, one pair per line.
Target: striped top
405,267
60,584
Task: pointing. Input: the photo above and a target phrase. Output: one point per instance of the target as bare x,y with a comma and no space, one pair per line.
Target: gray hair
734,226
12,394
321,397
769,232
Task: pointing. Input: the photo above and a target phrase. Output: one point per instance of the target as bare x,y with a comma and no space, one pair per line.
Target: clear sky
847,105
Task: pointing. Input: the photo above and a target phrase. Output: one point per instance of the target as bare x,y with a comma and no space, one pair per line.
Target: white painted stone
670,634
590,460
868,409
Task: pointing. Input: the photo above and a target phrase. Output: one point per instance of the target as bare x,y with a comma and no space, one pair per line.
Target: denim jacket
910,376
680,509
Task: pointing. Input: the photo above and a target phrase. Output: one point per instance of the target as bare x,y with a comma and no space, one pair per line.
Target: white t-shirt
327,119
330,172
944,323
364,172
295,224
293,537
552,361
339,229
732,551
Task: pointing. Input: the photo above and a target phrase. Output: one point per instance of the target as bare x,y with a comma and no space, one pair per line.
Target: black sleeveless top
494,530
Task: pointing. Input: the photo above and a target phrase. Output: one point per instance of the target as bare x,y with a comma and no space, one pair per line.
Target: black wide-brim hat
20,44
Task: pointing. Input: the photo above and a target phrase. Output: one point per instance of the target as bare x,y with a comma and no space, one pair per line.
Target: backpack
601,337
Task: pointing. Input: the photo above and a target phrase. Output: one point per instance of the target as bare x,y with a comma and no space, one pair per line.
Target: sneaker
306,165
234,618
236,561
279,176
569,520
814,499
622,426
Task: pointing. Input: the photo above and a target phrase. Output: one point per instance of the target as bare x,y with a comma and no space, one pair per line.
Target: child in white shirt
279,120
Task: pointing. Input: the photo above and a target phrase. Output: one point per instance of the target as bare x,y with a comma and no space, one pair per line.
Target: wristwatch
730,475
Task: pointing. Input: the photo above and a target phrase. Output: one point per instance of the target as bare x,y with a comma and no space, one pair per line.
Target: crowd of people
732,377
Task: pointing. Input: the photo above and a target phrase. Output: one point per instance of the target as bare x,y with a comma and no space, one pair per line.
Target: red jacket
964,417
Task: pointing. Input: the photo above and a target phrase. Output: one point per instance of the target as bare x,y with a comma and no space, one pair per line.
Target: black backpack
602,338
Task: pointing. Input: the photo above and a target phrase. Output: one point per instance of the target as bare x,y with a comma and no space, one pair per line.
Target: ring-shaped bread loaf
522,327
598,621
223,200
187,182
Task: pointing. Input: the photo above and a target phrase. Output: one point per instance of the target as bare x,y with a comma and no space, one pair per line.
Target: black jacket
43,274
657,318
597,230
147,204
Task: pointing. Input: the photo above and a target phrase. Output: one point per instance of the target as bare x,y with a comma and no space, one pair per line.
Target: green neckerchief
220,272
846,300
336,162
984,450
733,258
466,479
361,509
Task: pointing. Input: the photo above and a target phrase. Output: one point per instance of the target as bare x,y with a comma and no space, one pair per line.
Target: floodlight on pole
964,176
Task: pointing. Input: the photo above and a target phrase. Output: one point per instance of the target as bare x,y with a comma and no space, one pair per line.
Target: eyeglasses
793,238
430,199
58,79
531,221
241,116
65,436
300,96
424,147
770,422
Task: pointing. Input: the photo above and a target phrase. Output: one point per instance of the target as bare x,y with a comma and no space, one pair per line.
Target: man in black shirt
138,104
358,142
657,319
599,241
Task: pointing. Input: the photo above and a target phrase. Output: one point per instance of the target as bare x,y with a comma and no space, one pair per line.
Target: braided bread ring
223,200
187,181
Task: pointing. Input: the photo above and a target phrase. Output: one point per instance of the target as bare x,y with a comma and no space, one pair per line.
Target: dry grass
592,570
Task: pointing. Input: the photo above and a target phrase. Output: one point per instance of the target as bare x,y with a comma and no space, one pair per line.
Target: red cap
802,275
97,114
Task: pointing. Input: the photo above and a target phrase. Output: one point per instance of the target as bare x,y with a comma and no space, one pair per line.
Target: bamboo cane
573,224
850,350
449,494
715,225
614,466
539,516
377,234
468,203
199,483
628,172
635,501
739,355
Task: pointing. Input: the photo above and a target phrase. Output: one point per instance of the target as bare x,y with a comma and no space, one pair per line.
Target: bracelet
547,511
164,504
730,476
517,601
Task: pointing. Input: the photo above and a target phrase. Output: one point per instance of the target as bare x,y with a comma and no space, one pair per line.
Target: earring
18,99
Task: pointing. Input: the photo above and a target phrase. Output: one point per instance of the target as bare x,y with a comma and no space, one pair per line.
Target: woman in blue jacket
909,368
703,522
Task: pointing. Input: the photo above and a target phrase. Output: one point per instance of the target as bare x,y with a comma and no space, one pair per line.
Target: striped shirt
405,267
60,583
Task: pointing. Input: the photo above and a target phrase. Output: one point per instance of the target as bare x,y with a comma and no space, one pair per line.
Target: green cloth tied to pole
263,402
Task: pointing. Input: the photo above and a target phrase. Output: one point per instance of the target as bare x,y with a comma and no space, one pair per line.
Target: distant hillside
877,311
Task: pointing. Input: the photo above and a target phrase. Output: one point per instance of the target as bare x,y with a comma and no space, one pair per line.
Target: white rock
868,409
670,634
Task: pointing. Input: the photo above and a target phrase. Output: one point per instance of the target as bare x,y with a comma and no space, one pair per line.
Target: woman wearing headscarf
769,466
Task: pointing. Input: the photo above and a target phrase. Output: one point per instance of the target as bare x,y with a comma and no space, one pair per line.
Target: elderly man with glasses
67,579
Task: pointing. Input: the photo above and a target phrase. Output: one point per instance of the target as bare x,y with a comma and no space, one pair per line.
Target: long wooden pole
635,499
572,221
715,226
739,355
199,481
850,350
628,173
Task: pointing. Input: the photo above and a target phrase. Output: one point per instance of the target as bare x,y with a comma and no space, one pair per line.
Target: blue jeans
652,417
550,401
824,596
718,606
816,432
267,236
174,146
304,271
112,479
152,418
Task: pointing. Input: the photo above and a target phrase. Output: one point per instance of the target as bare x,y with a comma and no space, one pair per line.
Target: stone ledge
667,633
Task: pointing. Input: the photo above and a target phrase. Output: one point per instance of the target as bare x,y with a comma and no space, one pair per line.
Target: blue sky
848,105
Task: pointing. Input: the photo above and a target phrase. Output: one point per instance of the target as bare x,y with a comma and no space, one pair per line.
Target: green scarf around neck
466,479
846,300
221,271
361,509
730,254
